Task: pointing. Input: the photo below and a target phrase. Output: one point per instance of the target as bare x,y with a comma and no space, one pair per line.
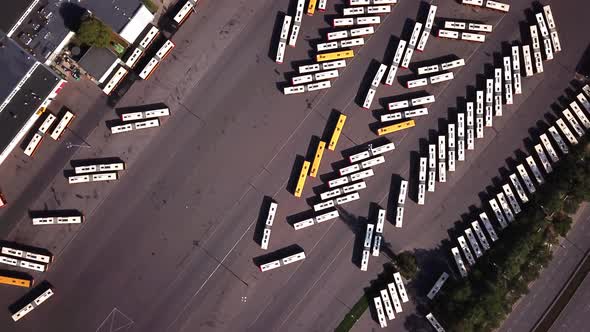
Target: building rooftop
115,13
14,65
96,61
11,12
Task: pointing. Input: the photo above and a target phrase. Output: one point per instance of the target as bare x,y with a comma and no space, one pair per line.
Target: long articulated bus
38,221
283,39
430,317
528,62
508,81
62,125
578,111
350,178
184,12
367,247
566,131
547,145
558,140
545,36
307,88
317,159
489,106
461,136
480,235
459,261
374,85
404,115
401,289
316,220
96,168
338,201
504,206
431,168
396,127
427,28
397,304
23,311
498,91
488,226
466,251
135,126
370,152
356,21
437,285
32,256
23,263
371,2
97,177
536,172
442,66
469,125
411,45
524,175
401,201
378,232
337,132
342,43
397,58
339,191
516,70
479,116
9,279
410,102
543,158
115,80
323,66
301,180
369,163
552,28
536,48
352,11
519,189
498,213
142,115
473,243
345,34
380,313
473,37
270,217
451,146
282,262
442,159
387,304
296,23
422,180
511,198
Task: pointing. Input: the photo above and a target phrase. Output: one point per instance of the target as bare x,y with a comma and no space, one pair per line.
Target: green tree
94,33
562,223
407,265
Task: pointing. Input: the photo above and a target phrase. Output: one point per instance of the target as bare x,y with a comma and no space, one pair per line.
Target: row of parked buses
39,132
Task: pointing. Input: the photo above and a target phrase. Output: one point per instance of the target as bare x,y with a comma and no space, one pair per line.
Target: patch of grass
353,315
150,5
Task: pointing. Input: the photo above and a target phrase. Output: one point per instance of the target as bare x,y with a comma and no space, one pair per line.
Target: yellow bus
317,159
311,7
8,279
396,127
302,177
337,132
334,55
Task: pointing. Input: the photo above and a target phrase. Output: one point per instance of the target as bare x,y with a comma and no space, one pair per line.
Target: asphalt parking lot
169,247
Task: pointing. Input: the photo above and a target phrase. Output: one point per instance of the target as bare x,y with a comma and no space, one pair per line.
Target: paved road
169,247
573,317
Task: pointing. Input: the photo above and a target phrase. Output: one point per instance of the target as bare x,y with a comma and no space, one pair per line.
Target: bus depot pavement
169,246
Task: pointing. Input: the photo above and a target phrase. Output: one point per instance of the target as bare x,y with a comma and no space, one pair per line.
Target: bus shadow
275,36
262,216
54,213
277,254
29,297
295,172
95,161
140,108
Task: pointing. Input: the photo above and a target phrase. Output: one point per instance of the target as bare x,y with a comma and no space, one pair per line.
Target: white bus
422,180
473,243
533,166
134,58
452,64
560,143
371,2
374,85
410,102
115,166
40,258
377,244
470,127
365,260
184,12
316,220
283,39
397,305
488,226
460,136
404,115
499,216
270,217
153,113
543,158
524,175
511,198
115,80
22,263
516,70
552,28
477,3
57,220
282,262
380,221
149,68
411,45
459,262
368,236
135,126
337,35
480,235
434,323
98,177
49,120
427,28
318,76
322,5
536,48
397,58
307,88
566,131
504,205
322,66
441,78
297,23
508,81
20,313
362,165
449,34
338,201
352,21
62,124
437,285
401,201
351,11
466,251
442,159
33,144
479,27
380,313
498,91
149,38
370,152
397,277
473,37
455,25
451,146
547,144
387,304
350,178
519,189
499,6
489,106
332,45
479,116
578,111
431,168
545,36
528,62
